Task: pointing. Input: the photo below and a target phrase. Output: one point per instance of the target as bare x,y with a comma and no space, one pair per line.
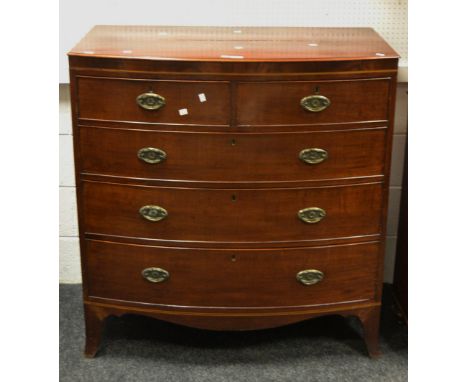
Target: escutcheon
313,156
311,214
151,155
310,276
155,275
315,103
150,101
153,213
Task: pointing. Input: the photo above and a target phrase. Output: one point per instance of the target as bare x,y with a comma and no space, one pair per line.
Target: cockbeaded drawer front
217,157
230,215
231,278
312,102
151,101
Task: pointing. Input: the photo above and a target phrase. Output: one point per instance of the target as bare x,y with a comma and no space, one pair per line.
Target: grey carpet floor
137,348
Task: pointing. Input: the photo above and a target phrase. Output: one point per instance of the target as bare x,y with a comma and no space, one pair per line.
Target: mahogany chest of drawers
232,178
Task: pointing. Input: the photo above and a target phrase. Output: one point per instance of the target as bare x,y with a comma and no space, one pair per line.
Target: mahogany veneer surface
114,273
114,99
233,157
273,103
222,43
233,129
261,215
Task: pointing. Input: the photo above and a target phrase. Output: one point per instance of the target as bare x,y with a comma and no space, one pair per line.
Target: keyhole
317,89
233,198
233,142
233,258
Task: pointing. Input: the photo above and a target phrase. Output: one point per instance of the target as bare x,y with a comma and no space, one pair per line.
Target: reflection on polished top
233,43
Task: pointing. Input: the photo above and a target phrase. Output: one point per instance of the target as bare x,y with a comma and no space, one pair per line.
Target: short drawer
229,215
276,103
227,278
232,157
181,103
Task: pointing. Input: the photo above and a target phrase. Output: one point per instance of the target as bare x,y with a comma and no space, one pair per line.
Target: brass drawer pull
153,213
315,103
155,275
311,214
313,156
151,155
310,276
150,101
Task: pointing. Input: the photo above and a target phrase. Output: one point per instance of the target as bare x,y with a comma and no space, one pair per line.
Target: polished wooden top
233,43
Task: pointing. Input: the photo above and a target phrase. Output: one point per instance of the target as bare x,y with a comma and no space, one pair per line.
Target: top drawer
185,102
277,103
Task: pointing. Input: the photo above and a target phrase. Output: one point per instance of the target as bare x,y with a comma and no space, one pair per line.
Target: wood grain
273,103
232,157
219,43
115,99
222,70
262,215
196,276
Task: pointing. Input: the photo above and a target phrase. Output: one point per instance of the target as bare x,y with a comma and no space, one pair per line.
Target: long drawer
228,278
286,102
185,102
232,157
229,215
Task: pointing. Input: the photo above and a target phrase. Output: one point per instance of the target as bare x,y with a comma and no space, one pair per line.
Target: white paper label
183,111
231,56
202,97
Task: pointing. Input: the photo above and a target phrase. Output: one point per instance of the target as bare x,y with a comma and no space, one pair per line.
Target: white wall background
388,17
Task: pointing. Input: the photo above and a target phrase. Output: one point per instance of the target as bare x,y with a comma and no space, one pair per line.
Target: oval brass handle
153,213
155,275
313,156
150,101
315,103
311,214
310,276
151,155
